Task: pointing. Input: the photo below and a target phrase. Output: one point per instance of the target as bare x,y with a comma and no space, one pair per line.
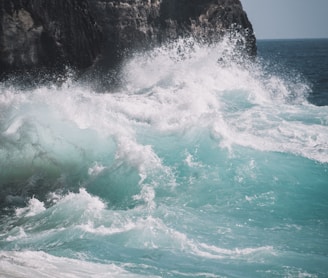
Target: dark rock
50,34
135,24
47,34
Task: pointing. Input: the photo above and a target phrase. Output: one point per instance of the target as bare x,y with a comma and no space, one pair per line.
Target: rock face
54,33
49,34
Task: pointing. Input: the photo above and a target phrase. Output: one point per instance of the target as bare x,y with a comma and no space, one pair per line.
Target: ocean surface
200,164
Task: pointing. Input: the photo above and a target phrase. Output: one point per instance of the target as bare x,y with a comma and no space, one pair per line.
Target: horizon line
294,38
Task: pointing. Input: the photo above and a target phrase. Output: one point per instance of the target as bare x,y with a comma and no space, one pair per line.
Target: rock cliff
37,34
49,34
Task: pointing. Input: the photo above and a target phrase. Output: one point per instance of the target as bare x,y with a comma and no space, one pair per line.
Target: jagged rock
133,24
48,34
54,33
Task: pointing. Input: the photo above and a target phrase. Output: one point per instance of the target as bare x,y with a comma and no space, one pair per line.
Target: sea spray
194,167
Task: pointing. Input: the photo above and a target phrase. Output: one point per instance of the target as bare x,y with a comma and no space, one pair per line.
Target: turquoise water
191,168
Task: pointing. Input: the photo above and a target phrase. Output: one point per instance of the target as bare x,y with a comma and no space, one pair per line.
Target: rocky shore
41,35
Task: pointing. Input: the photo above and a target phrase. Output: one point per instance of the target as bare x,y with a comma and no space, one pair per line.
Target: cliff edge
50,35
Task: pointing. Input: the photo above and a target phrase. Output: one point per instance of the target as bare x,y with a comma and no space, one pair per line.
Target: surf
191,157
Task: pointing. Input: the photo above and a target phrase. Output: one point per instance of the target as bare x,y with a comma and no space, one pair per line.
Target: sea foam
194,166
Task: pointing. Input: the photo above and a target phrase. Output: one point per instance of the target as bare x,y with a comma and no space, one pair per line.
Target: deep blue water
307,57
192,168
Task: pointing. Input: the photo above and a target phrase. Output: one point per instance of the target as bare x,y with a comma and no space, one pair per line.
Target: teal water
192,168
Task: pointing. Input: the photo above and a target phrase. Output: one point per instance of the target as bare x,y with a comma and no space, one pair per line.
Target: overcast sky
274,19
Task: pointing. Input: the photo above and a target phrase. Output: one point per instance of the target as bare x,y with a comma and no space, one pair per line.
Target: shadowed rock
42,35
38,34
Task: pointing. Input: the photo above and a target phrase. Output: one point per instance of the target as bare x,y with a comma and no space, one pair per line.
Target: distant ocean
307,58
201,164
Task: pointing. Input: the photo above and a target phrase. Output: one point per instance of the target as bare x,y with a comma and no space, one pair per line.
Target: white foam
268,129
211,251
33,208
166,100
83,202
16,236
147,194
118,227
96,169
39,264
192,162
141,157
239,105
263,199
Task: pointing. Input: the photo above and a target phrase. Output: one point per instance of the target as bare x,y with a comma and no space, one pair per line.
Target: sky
282,19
